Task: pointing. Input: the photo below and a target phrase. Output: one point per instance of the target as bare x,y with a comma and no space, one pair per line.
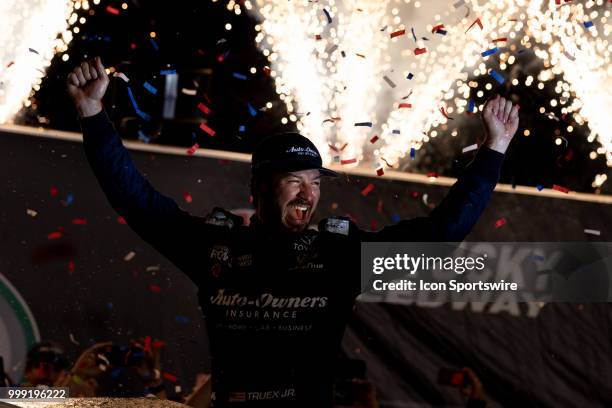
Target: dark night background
190,37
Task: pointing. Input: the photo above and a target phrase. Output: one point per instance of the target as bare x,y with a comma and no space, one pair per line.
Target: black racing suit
275,304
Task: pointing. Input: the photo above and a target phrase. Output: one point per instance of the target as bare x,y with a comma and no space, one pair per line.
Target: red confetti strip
436,28
133,46
159,343
193,149
318,37
445,115
207,129
53,190
205,109
374,139
332,120
475,22
499,223
267,70
405,105
379,206
432,174
386,162
187,197
560,188
348,161
54,235
367,190
500,39
360,55
397,33
121,220
147,343
380,172
79,221
10,64
334,148
373,225
169,377
154,288
71,267
419,51
112,10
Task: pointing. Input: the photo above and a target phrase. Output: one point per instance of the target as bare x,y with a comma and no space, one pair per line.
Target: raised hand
86,85
500,119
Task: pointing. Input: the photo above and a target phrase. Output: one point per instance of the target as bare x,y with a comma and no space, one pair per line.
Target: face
294,199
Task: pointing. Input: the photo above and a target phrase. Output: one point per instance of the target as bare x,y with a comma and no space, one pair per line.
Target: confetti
332,120
121,220
190,92
569,56
129,256
396,131
150,88
252,110
424,199
432,175
592,232
181,319
445,114
71,267
159,343
154,44
436,28
33,51
207,129
410,76
169,377
205,109
471,106
69,199
374,139
419,51
187,197
368,124
489,52
241,128
395,218
499,223
112,10
477,21
397,33
147,344
73,340
328,16
413,35
79,221
31,213
167,72
122,76
497,76
142,137
389,81
560,188
540,187
470,148
501,39
367,190
193,149
54,235
53,191
154,288
143,115
441,32
405,105
348,161
240,76
412,153
588,24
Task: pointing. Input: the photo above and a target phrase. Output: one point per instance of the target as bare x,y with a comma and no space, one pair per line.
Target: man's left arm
455,216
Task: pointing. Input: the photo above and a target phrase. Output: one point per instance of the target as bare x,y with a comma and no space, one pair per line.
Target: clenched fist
500,119
87,84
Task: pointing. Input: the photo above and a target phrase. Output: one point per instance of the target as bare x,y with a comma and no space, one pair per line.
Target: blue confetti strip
410,76
443,32
489,52
395,131
154,44
109,305
142,137
368,124
395,218
239,76
143,115
150,88
241,128
116,372
412,153
588,24
182,319
167,72
497,76
252,110
329,19
69,199
540,187
413,35
471,106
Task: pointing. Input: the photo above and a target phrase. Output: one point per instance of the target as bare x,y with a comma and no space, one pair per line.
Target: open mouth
299,211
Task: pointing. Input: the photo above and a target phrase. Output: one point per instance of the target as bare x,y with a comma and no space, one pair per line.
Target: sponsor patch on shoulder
220,218
336,226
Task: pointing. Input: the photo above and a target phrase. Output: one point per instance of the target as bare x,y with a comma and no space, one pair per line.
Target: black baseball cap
285,152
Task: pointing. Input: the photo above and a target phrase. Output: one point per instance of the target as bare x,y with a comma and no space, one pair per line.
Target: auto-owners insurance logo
18,329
